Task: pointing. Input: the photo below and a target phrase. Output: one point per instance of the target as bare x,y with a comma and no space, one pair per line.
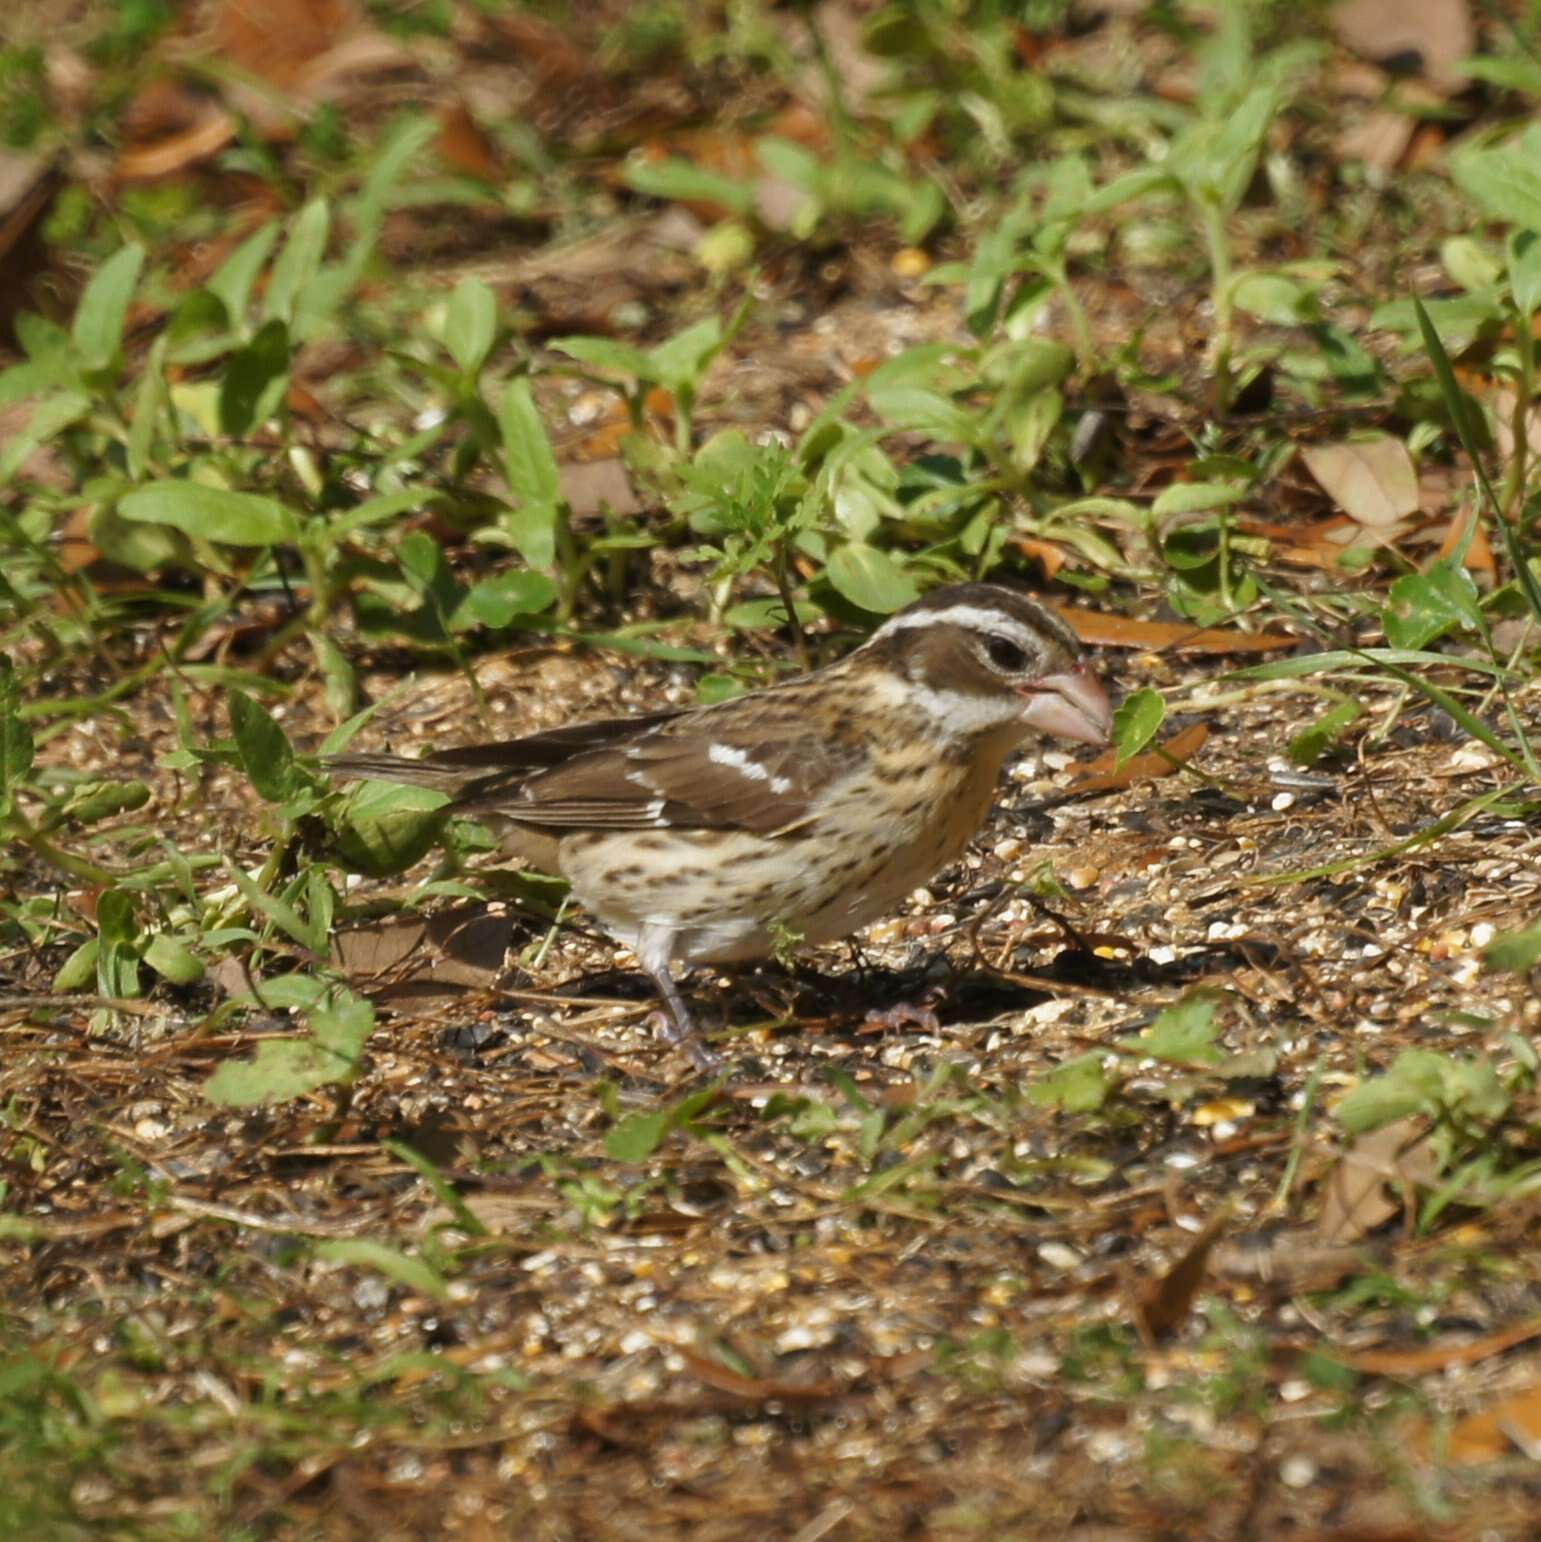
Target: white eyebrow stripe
981,618
732,755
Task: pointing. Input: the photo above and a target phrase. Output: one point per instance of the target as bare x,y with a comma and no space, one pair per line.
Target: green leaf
344,1026
498,600
16,748
1504,179
1310,744
385,828
1424,1081
1079,1086
638,1136
264,750
1183,1033
275,1074
99,318
173,960
255,380
683,181
870,578
680,361
528,460
471,324
1423,606
298,263
1515,951
91,802
603,353
236,277
1135,722
117,960
79,969
211,513
1522,250
360,1252
1193,497
50,417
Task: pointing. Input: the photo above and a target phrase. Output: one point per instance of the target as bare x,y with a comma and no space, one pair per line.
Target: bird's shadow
867,999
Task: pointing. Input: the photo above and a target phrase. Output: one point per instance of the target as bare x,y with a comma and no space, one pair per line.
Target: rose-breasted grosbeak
702,834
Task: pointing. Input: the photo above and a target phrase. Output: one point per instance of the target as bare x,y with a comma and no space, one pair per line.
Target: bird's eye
1005,655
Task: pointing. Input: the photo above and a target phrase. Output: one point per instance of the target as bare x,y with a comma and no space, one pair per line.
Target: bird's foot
907,1014
685,1036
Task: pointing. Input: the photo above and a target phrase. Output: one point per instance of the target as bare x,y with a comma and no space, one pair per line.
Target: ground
1049,1207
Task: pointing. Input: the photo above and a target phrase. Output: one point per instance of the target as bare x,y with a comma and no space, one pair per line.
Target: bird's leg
654,946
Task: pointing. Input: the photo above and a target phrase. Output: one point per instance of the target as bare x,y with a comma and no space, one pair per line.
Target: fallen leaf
1429,1358
464,145
1514,1424
1374,1179
1105,630
1104,774
1161,1306
591,487
1372,479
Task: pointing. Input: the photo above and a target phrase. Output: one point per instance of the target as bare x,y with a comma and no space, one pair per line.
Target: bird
802,811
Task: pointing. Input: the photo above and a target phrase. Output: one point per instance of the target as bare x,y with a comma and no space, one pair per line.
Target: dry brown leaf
1372,479
1106,630
1432,1357
1373,1179
591,487
1104,774
464,145
176,152
1514,1424
1161,1306
452,951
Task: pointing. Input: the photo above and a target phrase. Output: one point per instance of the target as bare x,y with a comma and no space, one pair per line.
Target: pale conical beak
1072,705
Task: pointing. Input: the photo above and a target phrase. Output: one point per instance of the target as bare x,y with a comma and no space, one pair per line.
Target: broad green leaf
870,578
1310,744
1194,497
79,969
1184,1033
255,380
498,600
683,181
91,802
1135,722
1079,1086
604,353
528,460
1517,951
1522,251
50,417
344,1026
386,828
212,513
1423,606
471,324
298,263
117,959
637,1137
236,277
263,747
276,1073
680,361
1504,179
99,318
173,960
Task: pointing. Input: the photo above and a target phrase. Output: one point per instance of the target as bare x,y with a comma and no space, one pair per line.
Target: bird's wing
711,769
